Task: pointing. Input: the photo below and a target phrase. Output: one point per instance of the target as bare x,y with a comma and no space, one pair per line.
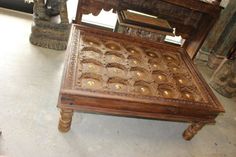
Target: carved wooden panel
125,67
107,65
173,13
192,19
111,73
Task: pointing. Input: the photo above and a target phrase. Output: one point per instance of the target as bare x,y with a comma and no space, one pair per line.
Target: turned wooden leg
192,130
65,120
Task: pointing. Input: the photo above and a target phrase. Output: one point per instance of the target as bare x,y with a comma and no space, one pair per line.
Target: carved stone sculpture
50,31
53,7
224,78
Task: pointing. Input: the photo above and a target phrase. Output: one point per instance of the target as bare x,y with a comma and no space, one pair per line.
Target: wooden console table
111,73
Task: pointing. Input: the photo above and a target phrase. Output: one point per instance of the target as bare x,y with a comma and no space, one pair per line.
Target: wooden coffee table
114,74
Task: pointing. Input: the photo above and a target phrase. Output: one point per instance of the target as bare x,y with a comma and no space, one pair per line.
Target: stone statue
224,78
51,25
53,7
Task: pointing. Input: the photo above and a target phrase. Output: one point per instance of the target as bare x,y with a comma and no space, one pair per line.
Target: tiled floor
29,85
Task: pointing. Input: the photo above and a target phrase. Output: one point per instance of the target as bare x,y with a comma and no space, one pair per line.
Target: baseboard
18,5
10,11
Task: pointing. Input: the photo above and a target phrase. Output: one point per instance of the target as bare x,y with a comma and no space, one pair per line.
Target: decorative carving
192,19
65,120
63,12
111,57
47,31
224,79
159,8
53,7
39,10
174,66
114,74
72,61
192,130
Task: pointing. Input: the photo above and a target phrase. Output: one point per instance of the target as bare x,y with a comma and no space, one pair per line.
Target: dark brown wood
104,74
78,18
196,40
192,18
224,78
196,5
216,37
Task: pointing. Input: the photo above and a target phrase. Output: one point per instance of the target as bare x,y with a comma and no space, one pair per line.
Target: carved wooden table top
114,74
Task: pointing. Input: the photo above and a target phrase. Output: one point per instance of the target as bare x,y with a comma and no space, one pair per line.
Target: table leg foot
192,130
65,120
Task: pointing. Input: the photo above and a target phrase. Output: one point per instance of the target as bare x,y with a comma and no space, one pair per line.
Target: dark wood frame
196,36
